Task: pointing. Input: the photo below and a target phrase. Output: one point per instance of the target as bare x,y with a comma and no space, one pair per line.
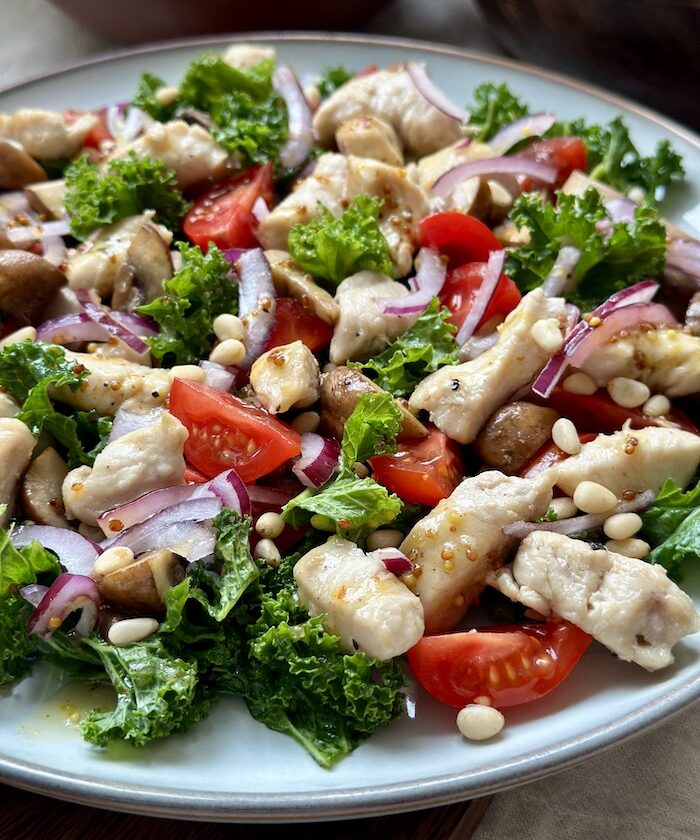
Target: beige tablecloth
647,789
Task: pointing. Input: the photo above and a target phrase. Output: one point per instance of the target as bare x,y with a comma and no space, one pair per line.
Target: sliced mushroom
144,584
27,283
17,168
148,264
341,390
290,279
48,198
513,434
41,496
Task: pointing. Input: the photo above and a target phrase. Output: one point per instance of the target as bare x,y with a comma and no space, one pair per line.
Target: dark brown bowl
648,49
136,21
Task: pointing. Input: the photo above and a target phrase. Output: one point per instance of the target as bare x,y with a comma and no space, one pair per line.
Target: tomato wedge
460,289
224,214
422,471
225,432
462,238
565,154
293,322
508,665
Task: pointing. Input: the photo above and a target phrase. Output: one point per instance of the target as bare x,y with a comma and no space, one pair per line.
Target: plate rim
375,800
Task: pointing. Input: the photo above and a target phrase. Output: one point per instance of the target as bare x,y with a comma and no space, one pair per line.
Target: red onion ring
395,561
124,125
300,135
67,594
533,125
256,303
33,593
138,324
76,553
98,314
318,460
126,421
429,280
684,254
432,93
492,168
71,328
561,272
482,298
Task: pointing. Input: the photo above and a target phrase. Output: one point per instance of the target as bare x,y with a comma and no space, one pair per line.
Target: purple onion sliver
113,327
140,325
256,303
76,553
67,594
533,125
318,459
684,254
300,135
432,93
68,329
429,280
395,561
33,593
229,487
561,272
482,298
218,376
493,168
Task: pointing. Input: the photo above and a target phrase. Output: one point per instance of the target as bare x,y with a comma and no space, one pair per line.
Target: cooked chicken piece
391,96
631,459
369,137
135,463
96,264
48,198
47,135
189,150
363,329
245,56
460,398
8,407
16,446
692,315
362,602
114,382
513,434
667,360
286,377
460,541
628,605
335,182
292,280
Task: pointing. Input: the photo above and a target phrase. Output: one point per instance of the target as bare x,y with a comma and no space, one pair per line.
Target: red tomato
565,154
293,322
224,214
225,432
423,470
194,477
462,238
461,287
97,135
509,665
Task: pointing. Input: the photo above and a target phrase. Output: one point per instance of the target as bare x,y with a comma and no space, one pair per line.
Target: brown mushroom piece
513,434
341,390
148,264
27,284
42,494
144,584
17,168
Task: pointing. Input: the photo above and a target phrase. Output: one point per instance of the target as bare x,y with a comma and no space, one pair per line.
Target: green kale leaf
333,78
672,526
145,98
494,107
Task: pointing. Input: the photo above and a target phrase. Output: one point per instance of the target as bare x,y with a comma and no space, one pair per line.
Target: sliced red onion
260,209
54,250
137,324
430,91
196,543
33,593
562,270
256,303
217,376
231,490
429,280
126,421
67,594
76,553
98,314
493,168
71,328
300,135
620,209
268,495
579,524
482,298
534,125
395,561
234,254
124,126
44,230
684,254
318,459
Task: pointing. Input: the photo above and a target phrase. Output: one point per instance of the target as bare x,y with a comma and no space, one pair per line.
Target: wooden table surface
28,816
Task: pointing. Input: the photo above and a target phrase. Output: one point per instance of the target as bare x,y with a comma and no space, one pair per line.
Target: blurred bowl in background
648,49
136,21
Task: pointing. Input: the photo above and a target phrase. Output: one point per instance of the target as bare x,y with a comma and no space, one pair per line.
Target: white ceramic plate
232,768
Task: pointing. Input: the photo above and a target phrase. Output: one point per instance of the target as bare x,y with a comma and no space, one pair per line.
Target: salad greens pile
672,527
332,78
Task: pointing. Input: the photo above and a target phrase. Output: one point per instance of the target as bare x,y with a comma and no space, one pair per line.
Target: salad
306,391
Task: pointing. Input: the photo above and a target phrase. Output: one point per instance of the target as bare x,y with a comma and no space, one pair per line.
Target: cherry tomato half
565,154
462,238
293,322
460,289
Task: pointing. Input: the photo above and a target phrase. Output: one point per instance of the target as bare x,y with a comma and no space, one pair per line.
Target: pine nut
629,393
228,326
307,421
591,497
546,333
360,470
266,550
166,95
270,525
23,334
620,526
231,351
636,194
192,372
631,547
580,383
565,436
564,508
478,722
113,559
386,538
131,630
322,523
657,406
